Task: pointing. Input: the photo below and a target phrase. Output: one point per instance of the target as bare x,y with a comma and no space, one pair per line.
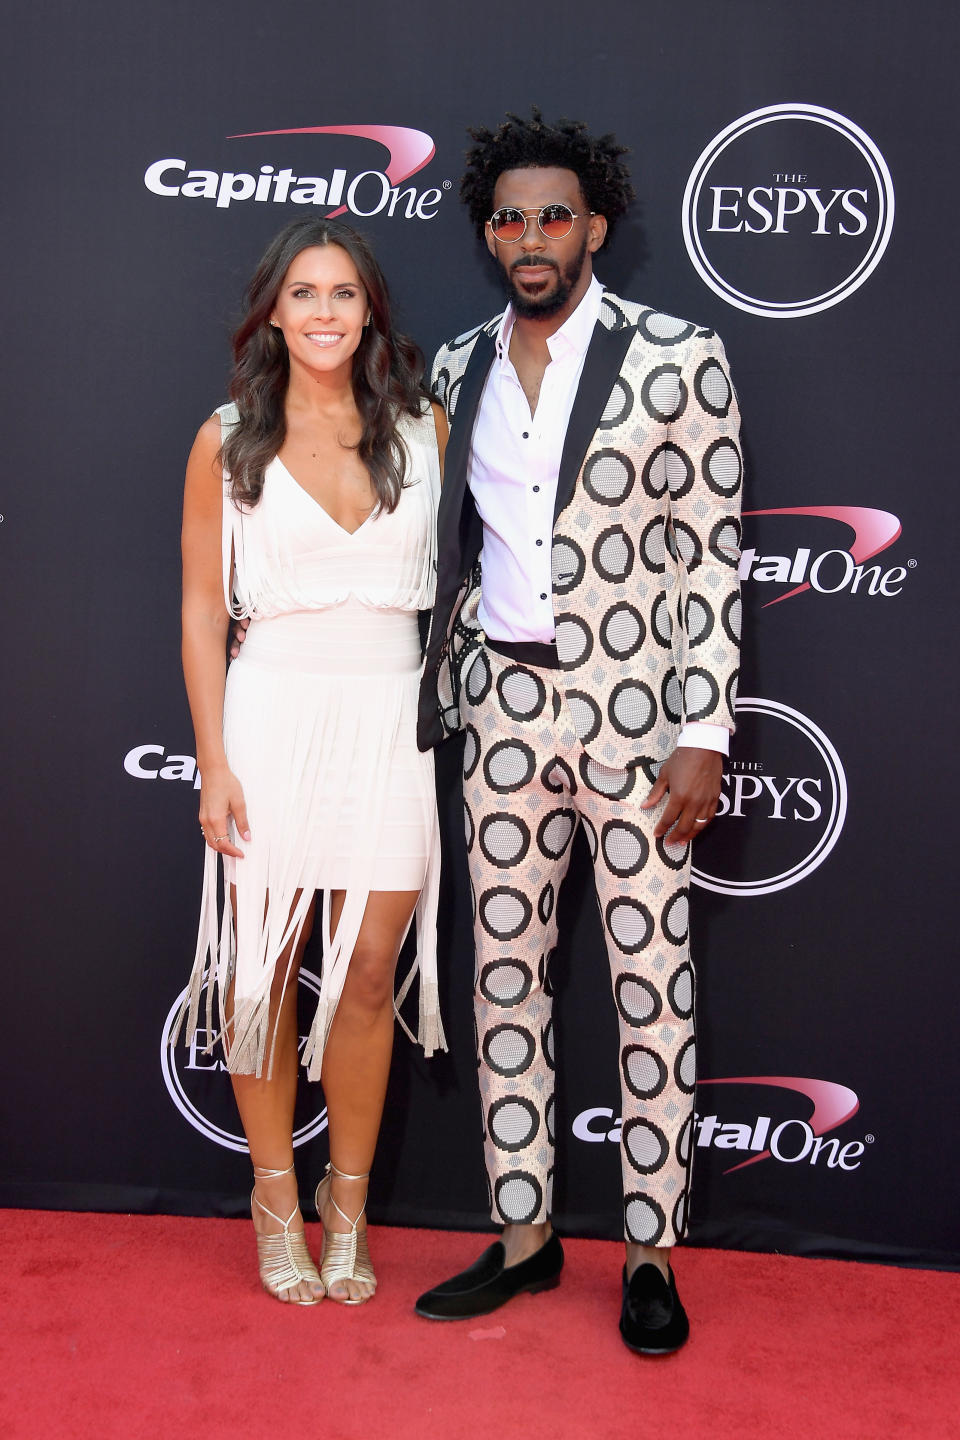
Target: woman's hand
221,795
238,633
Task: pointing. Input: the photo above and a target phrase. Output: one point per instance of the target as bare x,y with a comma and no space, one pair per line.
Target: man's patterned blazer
645,539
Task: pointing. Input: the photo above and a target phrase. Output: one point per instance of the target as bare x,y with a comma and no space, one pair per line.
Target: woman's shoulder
421,425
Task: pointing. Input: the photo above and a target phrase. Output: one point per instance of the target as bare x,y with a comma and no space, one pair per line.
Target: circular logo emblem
782,806
788,210
199,1086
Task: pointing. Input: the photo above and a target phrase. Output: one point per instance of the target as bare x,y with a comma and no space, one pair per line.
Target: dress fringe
275,896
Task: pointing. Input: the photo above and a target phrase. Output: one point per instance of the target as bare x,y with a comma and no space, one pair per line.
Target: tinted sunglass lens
507,224
556,221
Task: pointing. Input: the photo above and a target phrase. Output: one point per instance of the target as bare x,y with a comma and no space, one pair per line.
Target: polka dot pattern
622,631
685,1067
668,469
555,832
630,924
504,913
664,394
609,476
568,563
700,694
504,839
722,467
675,920
505,982
680,991
478,679
513,1123
508,766
586,714
645,1145
638,1000
625,848
649,502
613,554
574,641
700,621
713,389
508,1049
653,547
619,406
632,708
518,1199
644,1072
663,329
645,1220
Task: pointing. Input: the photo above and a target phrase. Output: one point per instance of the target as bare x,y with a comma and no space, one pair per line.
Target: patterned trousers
527,784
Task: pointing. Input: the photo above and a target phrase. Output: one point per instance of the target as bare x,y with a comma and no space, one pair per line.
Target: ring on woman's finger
217,838
702,822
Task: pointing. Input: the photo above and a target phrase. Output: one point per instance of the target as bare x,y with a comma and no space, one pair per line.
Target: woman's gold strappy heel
344,1257
283,1259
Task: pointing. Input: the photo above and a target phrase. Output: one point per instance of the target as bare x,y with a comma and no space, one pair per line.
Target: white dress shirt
513,472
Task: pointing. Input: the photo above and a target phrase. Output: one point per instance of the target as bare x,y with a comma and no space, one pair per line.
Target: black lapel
455,499
605,355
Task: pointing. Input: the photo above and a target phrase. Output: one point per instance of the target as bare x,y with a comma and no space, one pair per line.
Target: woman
309,509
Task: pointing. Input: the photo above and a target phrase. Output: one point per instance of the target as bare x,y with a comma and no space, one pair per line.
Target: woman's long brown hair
387,370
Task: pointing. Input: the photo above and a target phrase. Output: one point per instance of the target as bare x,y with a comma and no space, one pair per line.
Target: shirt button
526,434
536,489
543,594
539,542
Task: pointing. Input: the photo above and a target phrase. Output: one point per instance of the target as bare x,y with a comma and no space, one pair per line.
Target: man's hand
692,778
238,633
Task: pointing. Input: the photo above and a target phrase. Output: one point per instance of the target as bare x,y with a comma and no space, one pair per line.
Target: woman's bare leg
266,1106
356,1062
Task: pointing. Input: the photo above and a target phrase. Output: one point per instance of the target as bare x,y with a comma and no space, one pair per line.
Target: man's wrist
700,735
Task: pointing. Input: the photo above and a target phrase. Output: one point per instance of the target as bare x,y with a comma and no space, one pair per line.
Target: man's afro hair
519,144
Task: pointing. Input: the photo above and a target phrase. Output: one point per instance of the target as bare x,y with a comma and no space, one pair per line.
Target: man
593,477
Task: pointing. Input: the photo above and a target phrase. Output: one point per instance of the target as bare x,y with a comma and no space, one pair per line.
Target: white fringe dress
319,726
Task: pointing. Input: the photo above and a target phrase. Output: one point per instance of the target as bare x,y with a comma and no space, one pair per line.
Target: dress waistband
349,638
527,652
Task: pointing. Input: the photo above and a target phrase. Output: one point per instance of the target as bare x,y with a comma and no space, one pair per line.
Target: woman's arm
443,429
205,622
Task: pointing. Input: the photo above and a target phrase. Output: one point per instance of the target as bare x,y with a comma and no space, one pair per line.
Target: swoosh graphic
873,531
409,150
832,1103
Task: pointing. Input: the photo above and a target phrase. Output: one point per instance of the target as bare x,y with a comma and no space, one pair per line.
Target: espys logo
781,808
363,192
788,210
198,1085
824,567
792,1140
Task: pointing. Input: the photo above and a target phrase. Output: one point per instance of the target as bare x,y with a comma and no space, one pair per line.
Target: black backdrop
822,918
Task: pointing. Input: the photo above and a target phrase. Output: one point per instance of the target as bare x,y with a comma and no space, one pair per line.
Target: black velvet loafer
652,1319
488,1283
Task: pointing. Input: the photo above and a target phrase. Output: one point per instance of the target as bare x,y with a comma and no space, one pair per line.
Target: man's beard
541,308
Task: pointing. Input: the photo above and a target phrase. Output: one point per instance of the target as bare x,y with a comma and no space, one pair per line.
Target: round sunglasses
555,221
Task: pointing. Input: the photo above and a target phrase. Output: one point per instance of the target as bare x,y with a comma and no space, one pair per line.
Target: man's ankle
522,1241
658,1255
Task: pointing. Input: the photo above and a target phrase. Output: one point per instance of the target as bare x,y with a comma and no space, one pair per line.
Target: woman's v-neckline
322,508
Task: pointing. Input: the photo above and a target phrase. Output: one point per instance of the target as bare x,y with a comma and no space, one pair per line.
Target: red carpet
135,1328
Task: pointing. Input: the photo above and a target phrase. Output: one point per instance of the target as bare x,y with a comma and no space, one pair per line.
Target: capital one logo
818,562
341,188
791,1140
788,210
199,1086
782,806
